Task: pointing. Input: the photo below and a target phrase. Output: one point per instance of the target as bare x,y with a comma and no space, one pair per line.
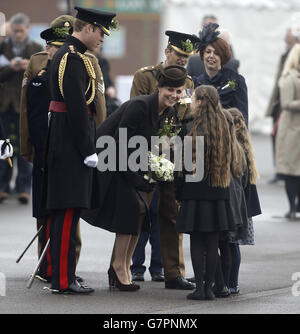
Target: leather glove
91,160
6,149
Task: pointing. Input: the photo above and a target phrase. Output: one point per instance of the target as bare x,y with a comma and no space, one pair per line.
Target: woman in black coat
119,199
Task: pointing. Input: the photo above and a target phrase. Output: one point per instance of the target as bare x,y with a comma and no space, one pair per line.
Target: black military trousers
63,224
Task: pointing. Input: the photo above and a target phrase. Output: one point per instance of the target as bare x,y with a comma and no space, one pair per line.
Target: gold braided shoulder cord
90,70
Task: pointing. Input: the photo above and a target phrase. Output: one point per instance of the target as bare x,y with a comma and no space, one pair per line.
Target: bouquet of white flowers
160,169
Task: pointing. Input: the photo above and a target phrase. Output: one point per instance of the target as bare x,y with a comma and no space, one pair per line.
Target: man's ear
167,52
88,28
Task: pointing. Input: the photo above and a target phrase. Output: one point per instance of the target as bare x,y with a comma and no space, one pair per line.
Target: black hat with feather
207,35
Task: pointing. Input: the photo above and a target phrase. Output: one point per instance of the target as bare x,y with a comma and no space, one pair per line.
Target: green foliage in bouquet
168,130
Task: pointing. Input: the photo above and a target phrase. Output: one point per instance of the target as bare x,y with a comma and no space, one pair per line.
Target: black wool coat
115,204
71,134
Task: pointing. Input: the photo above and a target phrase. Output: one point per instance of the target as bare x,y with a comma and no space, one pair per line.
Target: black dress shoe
191,279
209,295
221,293
137,277
158,277
179,283
79,279
75,288
198,294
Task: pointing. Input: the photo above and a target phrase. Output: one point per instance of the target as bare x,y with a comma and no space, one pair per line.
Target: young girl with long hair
253,209
239,211
205,209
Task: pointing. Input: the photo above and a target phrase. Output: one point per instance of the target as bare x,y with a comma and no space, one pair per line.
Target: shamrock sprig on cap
61,31
187,46
114,24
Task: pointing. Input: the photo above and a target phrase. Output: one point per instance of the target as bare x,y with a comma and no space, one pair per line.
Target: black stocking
223,265
204,244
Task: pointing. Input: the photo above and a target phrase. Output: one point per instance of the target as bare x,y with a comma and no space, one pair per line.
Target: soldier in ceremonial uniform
71,151
35,99
180,47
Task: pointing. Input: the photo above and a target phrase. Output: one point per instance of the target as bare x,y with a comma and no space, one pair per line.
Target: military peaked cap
99,18
182,43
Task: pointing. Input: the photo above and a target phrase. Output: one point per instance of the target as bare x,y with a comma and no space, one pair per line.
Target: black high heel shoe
114,282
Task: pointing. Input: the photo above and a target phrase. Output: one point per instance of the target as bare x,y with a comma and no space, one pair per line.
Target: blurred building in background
257,28
134,45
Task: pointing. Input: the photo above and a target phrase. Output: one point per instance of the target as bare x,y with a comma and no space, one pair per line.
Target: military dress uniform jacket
11,80
71,133
36,63
145,83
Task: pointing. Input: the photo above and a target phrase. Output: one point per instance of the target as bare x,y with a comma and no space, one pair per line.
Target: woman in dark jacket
119,198
205,209
215,52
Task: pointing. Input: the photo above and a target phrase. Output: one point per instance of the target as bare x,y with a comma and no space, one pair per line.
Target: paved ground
265,275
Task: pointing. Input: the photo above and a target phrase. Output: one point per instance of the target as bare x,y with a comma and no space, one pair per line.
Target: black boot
198,294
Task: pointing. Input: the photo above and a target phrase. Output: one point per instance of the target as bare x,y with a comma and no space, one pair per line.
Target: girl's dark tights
235,266
204,253
223,265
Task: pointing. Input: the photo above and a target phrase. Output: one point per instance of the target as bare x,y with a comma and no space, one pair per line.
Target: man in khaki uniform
177,52
38,62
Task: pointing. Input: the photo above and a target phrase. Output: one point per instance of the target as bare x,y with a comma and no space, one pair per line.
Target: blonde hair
292,61
244,139
210,122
